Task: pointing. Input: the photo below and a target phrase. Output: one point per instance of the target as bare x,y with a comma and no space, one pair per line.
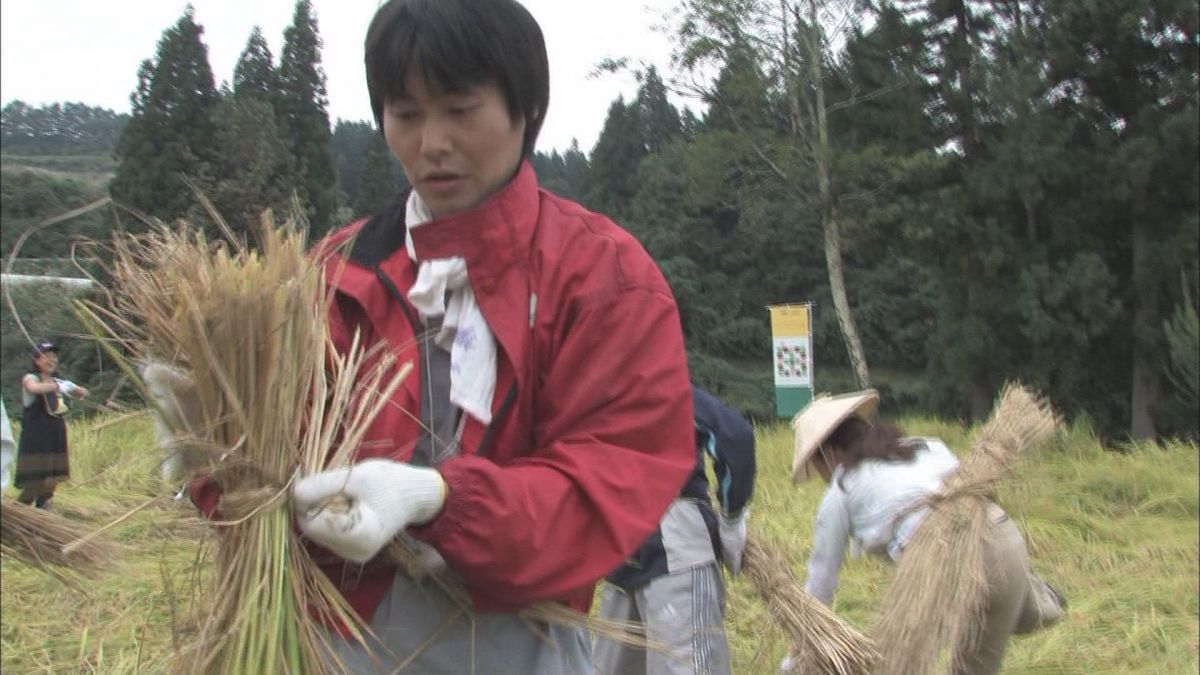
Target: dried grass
936,598
249,329
39,537
821,641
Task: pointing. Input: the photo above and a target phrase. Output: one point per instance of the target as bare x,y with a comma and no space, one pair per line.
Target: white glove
178,416
382,498
732,532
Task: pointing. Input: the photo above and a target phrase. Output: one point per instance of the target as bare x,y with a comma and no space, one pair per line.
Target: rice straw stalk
821,641
38,537
937,595
249,328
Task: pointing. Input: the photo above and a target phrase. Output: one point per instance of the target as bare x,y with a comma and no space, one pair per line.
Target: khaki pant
1018,600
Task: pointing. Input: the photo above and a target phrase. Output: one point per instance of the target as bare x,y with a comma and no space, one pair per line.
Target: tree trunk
1147,321
841,304
980,397
829,222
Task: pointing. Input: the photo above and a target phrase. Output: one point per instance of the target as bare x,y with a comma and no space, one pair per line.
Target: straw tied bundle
821,641
50,541
936,598
248,329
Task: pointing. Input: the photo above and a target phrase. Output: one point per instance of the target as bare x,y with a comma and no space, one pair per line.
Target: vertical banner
791,337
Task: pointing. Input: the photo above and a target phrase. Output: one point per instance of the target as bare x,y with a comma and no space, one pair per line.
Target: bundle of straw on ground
936,598
38,537
822,642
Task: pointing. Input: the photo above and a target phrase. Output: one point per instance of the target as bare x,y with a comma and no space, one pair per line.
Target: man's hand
356,511
732,533
178,417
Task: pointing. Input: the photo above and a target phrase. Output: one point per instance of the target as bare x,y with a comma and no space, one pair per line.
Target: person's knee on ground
1044,606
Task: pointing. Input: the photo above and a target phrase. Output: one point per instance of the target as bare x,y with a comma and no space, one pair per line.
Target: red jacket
591,435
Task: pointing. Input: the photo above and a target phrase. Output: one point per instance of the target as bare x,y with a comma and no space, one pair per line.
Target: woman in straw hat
877,476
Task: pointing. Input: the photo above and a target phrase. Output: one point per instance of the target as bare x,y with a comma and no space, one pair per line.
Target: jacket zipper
509,397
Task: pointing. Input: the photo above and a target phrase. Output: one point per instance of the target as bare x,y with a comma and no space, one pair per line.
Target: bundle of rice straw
249,328
38,537
936,598
821,641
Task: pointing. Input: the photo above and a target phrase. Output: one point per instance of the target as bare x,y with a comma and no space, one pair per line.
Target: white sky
88,50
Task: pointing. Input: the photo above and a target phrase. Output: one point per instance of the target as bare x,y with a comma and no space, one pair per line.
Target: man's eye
405,115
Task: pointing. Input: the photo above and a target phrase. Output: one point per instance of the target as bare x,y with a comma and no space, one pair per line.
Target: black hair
458,44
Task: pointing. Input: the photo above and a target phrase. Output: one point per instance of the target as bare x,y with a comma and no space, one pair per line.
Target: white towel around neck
464,332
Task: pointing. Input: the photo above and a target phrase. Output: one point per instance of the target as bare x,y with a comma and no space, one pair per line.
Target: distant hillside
59,129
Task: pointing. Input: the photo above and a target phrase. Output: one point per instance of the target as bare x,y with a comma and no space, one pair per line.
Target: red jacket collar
490,237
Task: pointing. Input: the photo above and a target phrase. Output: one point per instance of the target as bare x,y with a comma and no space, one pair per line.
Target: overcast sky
89,50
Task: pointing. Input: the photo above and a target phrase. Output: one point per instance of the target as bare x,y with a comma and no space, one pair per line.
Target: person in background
546,426
7,449
876,475
672,583
42,460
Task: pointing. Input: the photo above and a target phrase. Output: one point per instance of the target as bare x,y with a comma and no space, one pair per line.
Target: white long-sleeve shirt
8,449
65,387
864,507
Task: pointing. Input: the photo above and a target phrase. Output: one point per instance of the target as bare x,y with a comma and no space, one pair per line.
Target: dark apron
42,449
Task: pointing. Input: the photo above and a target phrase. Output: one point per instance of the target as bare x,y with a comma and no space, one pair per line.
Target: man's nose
435,137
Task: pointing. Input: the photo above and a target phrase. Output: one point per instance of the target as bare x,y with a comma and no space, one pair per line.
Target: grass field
1115,530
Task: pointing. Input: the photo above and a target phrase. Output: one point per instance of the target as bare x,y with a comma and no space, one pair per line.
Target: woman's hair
458,44
858,440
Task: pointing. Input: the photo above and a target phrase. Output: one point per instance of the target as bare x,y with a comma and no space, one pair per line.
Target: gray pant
1018,602
685,610
418,620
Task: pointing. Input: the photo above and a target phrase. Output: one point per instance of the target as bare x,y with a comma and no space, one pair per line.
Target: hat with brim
819,419
44,347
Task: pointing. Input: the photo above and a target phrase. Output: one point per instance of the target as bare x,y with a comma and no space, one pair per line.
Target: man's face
457,148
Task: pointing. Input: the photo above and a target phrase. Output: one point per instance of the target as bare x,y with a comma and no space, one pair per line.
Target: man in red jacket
550,425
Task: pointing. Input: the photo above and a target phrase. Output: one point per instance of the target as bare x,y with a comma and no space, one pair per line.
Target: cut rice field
1116,530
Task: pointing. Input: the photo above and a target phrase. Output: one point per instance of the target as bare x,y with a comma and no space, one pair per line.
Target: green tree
59,129
658,119
1132,69
564,174
304,120
789,41
379,186
253,168
348,146
1183,336
576,170
170,131
614,161
254,75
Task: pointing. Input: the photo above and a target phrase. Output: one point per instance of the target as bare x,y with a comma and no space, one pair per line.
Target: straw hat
819,419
